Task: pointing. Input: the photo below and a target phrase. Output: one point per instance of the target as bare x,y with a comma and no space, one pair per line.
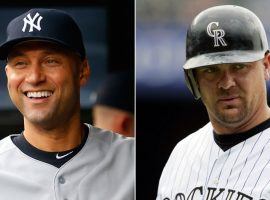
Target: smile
39,94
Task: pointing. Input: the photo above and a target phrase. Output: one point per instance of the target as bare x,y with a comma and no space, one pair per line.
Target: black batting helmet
220,35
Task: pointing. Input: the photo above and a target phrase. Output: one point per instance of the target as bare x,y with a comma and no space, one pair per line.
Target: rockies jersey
102,169
198,169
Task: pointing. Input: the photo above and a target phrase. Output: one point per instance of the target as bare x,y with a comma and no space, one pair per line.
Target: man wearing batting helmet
227,65
56,156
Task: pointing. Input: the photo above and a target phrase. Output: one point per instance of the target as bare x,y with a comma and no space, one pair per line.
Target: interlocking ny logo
217,34
31,22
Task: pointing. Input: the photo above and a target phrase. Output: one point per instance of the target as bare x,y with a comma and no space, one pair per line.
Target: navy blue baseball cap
46,25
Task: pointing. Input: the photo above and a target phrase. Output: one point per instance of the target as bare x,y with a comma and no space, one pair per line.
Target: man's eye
239,66
51,61
210,69
20,64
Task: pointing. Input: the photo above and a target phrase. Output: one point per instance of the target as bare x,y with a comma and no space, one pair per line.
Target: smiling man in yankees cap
227,66
56,156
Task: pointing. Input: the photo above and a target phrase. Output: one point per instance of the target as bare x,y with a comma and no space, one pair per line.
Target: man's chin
231,116
38,118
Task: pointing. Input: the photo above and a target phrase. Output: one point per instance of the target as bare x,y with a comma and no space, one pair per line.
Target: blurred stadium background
166,110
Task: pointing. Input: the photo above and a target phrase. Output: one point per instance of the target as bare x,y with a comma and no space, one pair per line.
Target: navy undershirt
56,159
227,141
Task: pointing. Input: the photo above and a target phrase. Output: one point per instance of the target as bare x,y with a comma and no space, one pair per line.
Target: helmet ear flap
192,83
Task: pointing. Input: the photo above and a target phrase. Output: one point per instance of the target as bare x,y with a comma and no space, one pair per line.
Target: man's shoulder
107,135
204,131
6,144
109,139
184,148
195,138
111,148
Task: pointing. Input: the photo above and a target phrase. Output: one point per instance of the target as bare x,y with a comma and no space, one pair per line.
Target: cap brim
6,47
225,57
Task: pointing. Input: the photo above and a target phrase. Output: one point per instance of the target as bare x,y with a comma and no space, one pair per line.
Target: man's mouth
232,100
228,98
38,94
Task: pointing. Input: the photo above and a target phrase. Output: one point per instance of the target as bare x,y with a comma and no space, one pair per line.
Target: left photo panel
67,109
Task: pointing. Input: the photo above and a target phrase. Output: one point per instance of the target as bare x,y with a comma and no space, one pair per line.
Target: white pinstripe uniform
199,169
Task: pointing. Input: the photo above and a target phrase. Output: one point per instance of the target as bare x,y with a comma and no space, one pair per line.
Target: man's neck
257,118
57,139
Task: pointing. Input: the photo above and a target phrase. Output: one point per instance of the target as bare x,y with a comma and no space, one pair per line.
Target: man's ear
6,69
84,72
266,63
127,125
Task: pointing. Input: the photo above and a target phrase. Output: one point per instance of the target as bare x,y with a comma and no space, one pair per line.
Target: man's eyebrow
241,64
21,53
207,67
52,51
14,54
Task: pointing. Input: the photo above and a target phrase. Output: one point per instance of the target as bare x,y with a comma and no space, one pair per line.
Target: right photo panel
202,96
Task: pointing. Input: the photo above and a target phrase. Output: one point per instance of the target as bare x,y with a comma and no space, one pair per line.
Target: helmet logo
217,34
31,22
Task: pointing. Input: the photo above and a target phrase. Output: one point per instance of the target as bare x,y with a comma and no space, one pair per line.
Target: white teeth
38,94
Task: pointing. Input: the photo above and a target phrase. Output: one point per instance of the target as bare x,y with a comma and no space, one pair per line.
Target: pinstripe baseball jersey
199,169
102,169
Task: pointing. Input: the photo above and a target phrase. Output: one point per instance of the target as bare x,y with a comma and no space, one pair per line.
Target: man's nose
35,75
226,81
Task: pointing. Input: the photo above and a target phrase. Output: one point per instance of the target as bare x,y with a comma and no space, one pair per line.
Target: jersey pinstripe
199,169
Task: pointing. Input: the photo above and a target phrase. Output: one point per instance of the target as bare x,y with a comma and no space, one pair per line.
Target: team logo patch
32,22
217,34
